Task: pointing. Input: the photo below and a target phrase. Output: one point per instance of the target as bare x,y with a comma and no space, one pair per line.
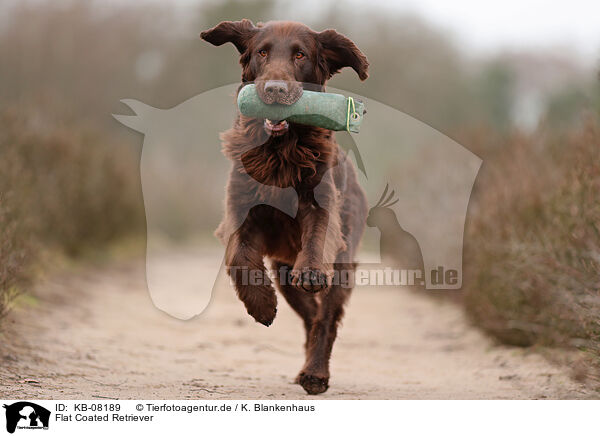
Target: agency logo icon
26,415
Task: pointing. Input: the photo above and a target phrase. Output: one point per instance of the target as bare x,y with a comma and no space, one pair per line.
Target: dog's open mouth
276,128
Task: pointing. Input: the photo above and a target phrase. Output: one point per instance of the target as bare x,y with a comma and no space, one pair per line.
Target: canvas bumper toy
320,109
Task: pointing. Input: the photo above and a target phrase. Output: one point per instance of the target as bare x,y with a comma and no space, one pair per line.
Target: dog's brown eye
299,55
263,53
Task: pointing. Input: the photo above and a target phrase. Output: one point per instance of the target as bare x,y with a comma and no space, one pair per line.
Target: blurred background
516,84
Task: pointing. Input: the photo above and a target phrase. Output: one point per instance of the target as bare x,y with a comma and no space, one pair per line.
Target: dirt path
97,334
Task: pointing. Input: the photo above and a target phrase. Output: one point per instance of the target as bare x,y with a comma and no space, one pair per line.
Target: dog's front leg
321,238
245,266
245,248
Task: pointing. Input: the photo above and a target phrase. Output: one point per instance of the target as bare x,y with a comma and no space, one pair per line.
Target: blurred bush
64,188
532,253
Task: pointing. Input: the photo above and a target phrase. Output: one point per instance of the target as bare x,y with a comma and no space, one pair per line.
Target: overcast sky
572,25
484,25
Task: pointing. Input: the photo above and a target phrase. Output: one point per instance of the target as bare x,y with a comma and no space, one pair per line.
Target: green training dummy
320,109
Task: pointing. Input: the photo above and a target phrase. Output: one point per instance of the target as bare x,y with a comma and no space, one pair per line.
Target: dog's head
282,58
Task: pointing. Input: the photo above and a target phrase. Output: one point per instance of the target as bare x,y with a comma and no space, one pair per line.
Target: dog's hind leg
314,377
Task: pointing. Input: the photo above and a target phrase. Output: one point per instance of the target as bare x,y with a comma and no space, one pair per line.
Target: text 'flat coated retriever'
305,251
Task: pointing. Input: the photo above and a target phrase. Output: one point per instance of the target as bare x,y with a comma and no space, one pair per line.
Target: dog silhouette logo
184,176
26,415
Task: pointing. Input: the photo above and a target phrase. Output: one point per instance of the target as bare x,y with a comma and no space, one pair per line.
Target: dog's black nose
276,87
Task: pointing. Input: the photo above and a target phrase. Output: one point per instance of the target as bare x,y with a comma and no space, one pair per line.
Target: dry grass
533,244
62,188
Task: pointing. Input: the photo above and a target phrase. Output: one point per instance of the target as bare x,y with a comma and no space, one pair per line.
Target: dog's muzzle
279,91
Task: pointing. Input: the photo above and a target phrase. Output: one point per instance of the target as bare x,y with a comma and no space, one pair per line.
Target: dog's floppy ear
236,32
338,52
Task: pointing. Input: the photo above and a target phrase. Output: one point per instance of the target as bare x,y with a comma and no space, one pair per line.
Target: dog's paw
310,279
312,384
265,318
262,307
263,315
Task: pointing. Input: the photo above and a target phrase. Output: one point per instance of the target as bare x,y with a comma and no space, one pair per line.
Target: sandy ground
96,334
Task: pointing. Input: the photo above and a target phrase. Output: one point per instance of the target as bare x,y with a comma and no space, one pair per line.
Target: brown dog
283,59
